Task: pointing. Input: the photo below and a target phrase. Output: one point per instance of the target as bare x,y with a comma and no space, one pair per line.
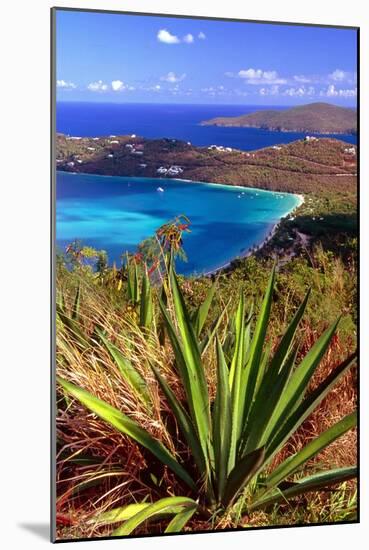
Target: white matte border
24,282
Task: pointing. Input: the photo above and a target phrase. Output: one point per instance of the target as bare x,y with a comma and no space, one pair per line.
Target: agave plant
261,400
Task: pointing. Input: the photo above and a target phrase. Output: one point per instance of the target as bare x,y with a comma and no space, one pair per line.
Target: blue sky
124,58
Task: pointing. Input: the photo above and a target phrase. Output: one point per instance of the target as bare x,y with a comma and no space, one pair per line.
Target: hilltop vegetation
299,167
322,118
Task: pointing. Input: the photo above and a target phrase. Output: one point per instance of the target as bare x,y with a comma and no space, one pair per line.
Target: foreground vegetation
199,404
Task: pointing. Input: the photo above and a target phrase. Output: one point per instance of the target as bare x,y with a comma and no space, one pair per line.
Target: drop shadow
41,530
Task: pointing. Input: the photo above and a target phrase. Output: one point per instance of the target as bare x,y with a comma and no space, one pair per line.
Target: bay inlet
116,213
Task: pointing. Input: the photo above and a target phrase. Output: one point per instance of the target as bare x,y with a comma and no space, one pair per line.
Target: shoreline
275,130
265,241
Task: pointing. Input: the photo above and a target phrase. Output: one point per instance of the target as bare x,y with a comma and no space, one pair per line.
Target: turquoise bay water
116,213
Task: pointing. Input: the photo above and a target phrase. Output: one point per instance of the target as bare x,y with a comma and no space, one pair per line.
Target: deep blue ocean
170,121
116,213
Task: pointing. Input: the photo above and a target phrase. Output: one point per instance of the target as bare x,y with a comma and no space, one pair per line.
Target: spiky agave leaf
146,303
127,426
316,482
164,505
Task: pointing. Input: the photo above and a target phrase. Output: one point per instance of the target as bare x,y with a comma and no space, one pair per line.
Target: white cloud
167,38
173,78
301,91
332,91
302,78
215,90
338,75
98,86
273,90
258,76
118,85
67,85
188,38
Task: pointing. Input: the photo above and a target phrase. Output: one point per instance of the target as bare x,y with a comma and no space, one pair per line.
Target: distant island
319,118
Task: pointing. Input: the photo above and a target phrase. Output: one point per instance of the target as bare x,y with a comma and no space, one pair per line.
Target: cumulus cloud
173,78
301,91
332,91
167,38
98,86
272,90
338,75
215,90
302,79
117,85
188,38
67,85
258,76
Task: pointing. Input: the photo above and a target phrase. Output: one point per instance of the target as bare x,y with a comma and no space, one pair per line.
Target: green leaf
222,424
162,506
76,305
179,521
267,397
239,334
128,427
80,338
207,340
197,390
286,342
307,406
299,381
316,482
242,473
256,347
268,394
132,281
203,311
118,514
129,373
235,382
293,463
263,367
184,422
146,305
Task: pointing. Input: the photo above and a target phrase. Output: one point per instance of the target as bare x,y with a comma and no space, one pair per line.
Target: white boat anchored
160,189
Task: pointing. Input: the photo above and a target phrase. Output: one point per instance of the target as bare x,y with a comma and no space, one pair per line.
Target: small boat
160,189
